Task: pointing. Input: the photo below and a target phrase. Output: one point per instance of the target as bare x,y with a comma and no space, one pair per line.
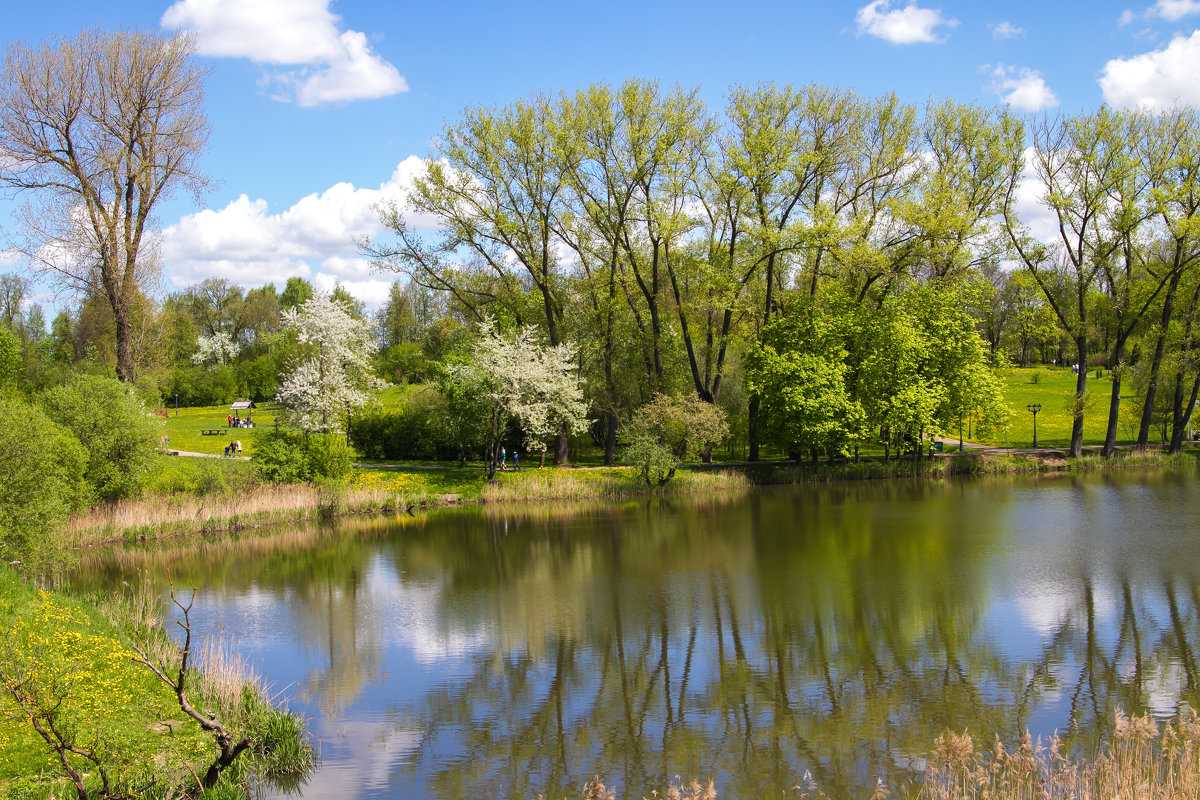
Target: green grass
184,430
80,661
1055,390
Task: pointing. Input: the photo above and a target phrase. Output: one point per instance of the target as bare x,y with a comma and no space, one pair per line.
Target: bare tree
95,131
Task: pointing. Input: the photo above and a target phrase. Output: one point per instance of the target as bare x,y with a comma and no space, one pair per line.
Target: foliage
330,373
416,429
669,431
120,435
41,479
219,348
799,370
519,379
288,456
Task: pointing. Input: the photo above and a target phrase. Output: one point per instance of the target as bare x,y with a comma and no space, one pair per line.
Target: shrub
288,456
41,478
114,426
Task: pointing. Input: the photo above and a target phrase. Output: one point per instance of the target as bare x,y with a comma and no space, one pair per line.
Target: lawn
1054,388
184,430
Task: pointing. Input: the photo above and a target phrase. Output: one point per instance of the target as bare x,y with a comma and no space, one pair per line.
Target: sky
321,108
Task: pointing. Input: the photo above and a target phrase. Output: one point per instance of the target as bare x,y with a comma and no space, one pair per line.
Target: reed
581,484
1142,762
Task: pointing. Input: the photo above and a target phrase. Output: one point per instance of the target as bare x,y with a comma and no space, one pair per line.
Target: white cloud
1022,88
1041,221
1158,79
908,25
314,238
1169,10
334,66
1005,30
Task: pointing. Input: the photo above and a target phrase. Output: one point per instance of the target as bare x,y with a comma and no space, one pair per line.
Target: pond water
514,651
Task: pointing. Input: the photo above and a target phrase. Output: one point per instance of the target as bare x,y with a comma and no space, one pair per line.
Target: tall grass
1142,762
568,484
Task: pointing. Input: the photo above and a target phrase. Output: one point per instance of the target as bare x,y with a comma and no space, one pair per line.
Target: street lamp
177,404
1033,409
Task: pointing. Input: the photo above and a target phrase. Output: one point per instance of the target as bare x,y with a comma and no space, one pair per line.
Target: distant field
1053,390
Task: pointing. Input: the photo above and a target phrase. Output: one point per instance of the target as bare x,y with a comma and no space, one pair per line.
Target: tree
668,431
96,131
1077,162
331,369
799,371
120,435
519,379
41,479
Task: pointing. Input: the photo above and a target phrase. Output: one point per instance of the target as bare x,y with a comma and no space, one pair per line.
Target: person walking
239,447
502,454
516,460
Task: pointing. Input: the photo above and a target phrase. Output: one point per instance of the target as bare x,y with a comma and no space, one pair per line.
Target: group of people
234,448
234,421
516,460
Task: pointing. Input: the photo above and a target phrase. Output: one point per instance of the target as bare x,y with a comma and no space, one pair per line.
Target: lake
511,651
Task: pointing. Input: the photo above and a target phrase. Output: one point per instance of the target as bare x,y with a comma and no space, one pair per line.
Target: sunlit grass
184,430
1054,389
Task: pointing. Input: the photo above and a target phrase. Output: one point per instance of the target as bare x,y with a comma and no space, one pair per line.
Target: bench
213,431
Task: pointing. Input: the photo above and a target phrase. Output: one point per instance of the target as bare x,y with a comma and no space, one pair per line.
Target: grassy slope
1055,390
64,643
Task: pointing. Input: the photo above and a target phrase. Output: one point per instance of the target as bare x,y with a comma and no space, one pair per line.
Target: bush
288,456
414,431
114,426
41,479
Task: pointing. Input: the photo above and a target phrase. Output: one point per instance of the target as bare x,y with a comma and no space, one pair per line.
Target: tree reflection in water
834,629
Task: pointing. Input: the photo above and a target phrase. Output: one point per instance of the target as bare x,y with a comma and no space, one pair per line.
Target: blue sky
321,107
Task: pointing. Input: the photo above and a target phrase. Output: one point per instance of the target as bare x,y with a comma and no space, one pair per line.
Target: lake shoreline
160,517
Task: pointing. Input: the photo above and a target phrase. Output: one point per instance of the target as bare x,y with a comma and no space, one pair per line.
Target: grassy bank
189,496
67,665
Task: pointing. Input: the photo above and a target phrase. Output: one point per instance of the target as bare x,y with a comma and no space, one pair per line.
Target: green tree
799,371
41,479
119,434
669,431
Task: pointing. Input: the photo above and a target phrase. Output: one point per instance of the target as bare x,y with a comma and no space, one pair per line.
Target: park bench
213,431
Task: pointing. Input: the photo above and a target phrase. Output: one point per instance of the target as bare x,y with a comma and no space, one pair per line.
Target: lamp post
1033,409
177,404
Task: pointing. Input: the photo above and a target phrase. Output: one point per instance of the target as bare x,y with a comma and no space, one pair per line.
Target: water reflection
836,629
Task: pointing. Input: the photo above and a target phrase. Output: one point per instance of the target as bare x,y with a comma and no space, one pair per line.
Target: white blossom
537,384
219,348
331,373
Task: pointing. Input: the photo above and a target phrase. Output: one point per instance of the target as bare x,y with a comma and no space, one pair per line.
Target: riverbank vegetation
80,714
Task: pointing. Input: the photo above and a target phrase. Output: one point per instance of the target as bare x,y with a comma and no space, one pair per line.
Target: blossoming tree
330,372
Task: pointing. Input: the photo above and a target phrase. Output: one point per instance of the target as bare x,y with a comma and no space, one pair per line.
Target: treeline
665,240
834,272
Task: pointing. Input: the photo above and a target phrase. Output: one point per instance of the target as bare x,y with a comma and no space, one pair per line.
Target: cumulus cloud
1022,88
908,25
1005,30
314,238
1155,80
333,66
1169,10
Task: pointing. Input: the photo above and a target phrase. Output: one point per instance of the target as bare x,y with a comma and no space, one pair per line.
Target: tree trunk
1156,361
1114,400
1080,393
561,446
610,440
752,428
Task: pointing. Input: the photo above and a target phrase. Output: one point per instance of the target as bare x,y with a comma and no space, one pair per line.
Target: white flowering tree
220,348
330,373
520,378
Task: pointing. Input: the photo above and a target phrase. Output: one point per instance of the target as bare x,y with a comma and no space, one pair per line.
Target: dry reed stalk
1140,763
